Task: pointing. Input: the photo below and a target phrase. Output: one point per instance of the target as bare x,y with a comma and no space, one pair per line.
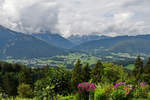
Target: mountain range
18,45
121,44
54,39
77,39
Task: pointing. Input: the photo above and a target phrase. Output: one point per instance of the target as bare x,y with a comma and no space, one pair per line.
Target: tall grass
17,98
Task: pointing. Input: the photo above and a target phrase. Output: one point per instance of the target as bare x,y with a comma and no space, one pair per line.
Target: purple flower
142,84
118,84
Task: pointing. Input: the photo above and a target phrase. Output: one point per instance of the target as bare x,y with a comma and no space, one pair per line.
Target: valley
69,60
41,49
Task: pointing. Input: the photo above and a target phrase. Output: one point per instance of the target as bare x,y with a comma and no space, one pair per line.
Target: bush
17,98
25,91
68,98
100,94
85,89
121,91
118,94
141,91
148,95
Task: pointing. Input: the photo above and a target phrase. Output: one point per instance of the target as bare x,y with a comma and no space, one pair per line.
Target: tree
146,75
25,91
86,73
147,67
76,75
10,84
45,70
62,81
25,76
97,72
113,73
138,70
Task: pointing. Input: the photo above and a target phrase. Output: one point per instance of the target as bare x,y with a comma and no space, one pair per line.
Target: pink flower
118,84
86,86
128,89
142,84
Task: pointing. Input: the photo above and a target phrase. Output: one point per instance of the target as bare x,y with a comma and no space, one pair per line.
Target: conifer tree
97,72
86,73
146,75
138,70
25,75
10,84
147,67
76,75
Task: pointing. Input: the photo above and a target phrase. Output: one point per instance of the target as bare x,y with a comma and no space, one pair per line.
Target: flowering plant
84,90
86,86
118,84
141,90
121,91
143,84
128,89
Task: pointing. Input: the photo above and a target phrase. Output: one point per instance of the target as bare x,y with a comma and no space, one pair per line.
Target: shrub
100,94
17,98
148,95
118,94
85,89
121,91
25,91
68,98
141,91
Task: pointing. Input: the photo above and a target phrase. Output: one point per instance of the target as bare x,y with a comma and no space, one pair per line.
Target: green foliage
56,82
100,94
138,70
25,91
131,80
147,66
18,98
122,92
118,94
86,73
25,76
10,84
44,89
129,67
76,75
51,83
113,73
141,92
68,98
97,72
146,74
148,95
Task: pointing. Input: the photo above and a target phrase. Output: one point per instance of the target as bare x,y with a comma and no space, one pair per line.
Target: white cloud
82,17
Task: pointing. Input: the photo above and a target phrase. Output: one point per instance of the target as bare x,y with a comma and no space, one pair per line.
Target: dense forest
102,81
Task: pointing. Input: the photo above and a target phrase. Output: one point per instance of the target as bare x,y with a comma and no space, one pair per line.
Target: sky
77,17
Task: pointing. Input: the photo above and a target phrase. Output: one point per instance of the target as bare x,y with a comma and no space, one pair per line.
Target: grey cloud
81,17
29,17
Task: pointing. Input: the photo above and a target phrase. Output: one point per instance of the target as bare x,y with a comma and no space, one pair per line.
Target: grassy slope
129,67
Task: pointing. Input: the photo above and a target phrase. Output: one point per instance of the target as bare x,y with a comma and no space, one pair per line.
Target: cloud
77,17
29,16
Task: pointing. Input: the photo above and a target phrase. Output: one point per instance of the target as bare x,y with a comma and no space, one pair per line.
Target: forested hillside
102,81
132,45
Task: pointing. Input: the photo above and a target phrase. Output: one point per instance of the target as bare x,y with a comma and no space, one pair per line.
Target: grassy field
129,67
68,60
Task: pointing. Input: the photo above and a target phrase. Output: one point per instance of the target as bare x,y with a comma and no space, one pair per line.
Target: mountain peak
16,45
